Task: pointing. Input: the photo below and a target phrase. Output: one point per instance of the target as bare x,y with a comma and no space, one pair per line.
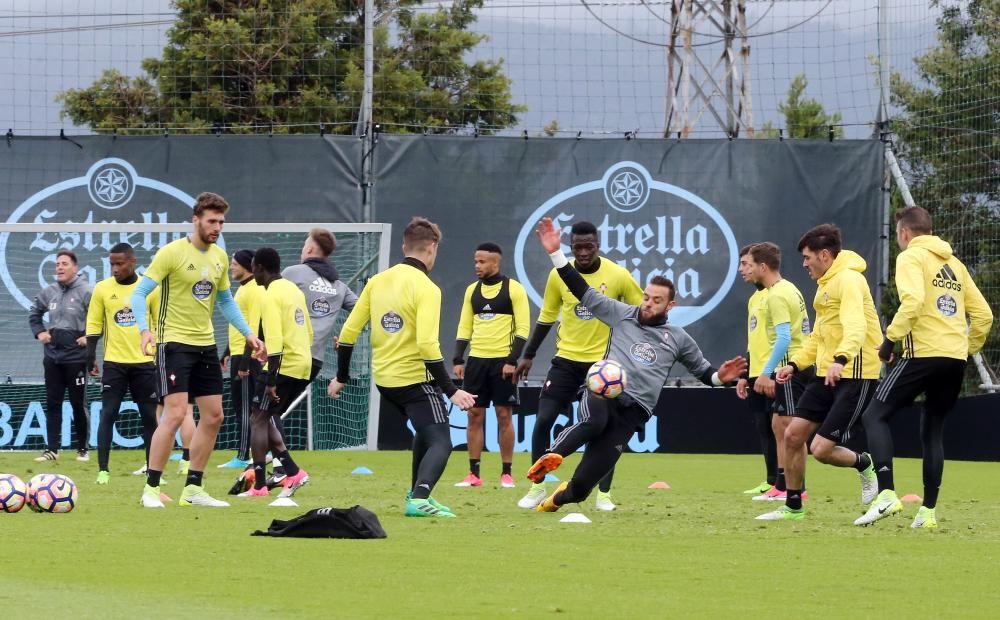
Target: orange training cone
912,499
659,484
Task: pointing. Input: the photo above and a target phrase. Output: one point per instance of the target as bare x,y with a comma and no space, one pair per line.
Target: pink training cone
659,484
912,498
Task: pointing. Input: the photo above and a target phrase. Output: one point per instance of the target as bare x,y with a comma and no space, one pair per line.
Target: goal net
27,259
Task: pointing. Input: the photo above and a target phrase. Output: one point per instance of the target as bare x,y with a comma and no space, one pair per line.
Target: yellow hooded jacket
936,293
846,322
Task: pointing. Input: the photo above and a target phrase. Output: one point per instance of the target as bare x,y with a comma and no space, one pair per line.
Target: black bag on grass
355,522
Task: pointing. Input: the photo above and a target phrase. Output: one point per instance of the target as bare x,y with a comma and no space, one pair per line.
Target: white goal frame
385,235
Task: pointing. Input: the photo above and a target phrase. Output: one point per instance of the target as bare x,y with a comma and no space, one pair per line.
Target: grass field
692,551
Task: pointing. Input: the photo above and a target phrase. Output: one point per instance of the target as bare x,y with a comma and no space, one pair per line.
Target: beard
205,237
655,319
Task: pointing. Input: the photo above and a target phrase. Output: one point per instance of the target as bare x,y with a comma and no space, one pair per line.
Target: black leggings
620,423
241,398
59,378
876,421
548,410
431,449
140,381
760,409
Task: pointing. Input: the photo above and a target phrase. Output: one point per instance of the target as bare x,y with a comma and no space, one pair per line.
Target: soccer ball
51,493
606,379
13,493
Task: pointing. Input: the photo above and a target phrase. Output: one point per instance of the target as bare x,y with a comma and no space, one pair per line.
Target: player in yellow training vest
125,367
784,321
288,336
759,403
841,345
942,319
581,341
243,369
192,275
495,319
403,307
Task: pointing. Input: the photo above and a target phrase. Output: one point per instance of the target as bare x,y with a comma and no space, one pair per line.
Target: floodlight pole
366,124
696,86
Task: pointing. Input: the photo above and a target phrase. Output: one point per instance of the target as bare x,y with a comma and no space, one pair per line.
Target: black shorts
288,390
939,378
758,402
836,409
138,379
484,378
565,381
785,396
188,368
422,403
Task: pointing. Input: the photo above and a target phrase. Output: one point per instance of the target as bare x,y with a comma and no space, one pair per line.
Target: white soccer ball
606,379
51,493
13,493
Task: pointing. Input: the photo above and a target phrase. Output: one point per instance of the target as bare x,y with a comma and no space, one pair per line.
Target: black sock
931,497
779,482
260,475
421,491
506,469
474,467
862,461
153,477
286,461
186,454
884,473
794,499
194,477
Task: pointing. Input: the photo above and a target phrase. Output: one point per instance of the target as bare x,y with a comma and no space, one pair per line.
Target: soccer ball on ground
13,493
606,379
51,493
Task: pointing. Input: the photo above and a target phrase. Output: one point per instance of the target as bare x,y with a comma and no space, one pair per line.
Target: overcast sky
602,69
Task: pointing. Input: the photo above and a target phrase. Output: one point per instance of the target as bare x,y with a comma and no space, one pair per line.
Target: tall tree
244,65
948,140
804,118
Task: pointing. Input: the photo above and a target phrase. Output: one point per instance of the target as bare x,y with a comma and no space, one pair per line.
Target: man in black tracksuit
66,302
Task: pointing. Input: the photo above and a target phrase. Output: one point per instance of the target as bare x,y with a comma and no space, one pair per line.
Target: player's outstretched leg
541,436
599,458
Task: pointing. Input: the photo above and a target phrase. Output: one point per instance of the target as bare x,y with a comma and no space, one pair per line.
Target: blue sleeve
783,331
146,286
232,312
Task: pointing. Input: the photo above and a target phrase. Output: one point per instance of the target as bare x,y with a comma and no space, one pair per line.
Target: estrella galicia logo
753,322
946,305
392,322
486,316
582,312
125,317
649,227
643,352
319,307
300,317
111,190
202,289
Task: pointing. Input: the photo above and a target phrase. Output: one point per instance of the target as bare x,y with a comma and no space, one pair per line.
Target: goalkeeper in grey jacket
646,346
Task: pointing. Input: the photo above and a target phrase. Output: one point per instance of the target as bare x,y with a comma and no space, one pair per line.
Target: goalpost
27,258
